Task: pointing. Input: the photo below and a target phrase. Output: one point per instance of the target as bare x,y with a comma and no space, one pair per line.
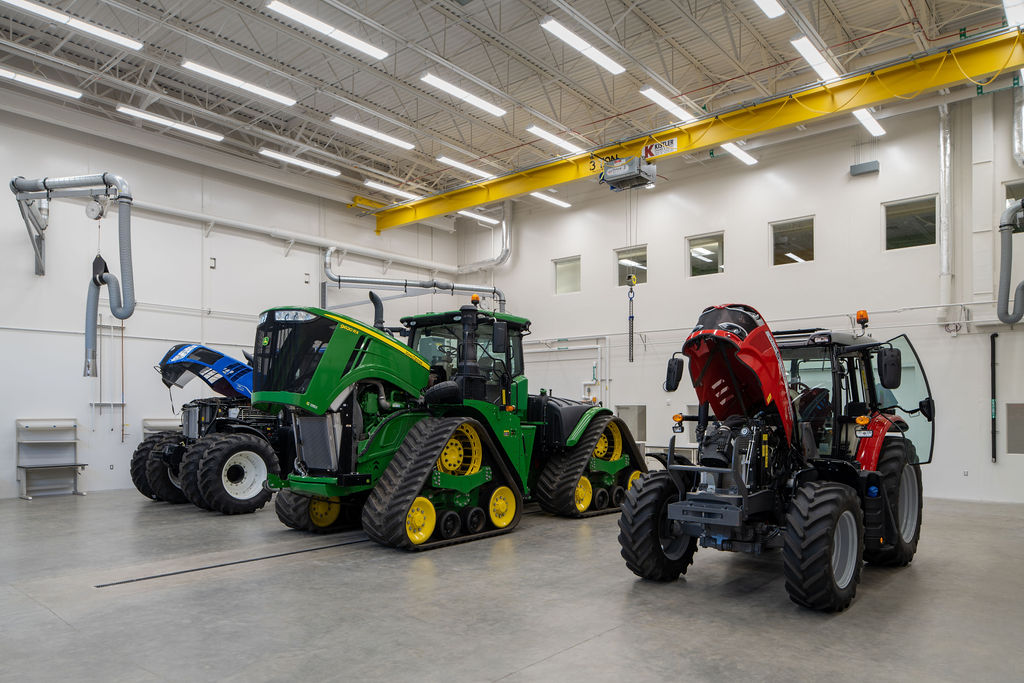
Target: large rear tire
901,478
161,478
140,458
233,471
823,545
189,476
653,546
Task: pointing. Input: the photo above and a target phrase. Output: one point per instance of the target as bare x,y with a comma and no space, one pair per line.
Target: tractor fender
230,426
585,420
882,426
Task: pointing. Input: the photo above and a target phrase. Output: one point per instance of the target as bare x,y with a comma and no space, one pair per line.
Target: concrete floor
551,601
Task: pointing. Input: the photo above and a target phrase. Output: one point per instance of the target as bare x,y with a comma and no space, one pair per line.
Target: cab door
911,400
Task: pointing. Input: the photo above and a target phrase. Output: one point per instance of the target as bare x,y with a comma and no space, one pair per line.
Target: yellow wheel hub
420,520
633,476
609,445
502,507
324,512
584,494
463,453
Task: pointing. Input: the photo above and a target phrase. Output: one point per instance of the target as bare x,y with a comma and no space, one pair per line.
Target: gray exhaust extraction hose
1006,224
121,309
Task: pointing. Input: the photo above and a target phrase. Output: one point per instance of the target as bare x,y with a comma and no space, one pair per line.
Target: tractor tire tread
556,487
137,467
890,461
211,486
190,463
156,472
639,541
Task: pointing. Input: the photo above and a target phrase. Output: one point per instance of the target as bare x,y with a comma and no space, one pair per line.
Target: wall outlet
965,473
111,467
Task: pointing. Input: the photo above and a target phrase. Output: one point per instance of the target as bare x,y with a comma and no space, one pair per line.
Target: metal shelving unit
46,457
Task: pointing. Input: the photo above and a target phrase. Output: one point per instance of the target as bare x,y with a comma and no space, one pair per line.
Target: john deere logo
265,341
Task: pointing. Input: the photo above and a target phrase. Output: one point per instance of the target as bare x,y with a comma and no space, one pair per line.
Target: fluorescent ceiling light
77,24
702,251
574,41
485,219
868,121
698,256
666,104
377,135
456,91
732,149
239,83
37,83
549,198
770,8
465,167
170,123
300,162
541,133
795,257
814,58
631,263
1014,10
392,190
326,29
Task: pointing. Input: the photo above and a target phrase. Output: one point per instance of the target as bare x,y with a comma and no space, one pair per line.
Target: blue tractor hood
225,375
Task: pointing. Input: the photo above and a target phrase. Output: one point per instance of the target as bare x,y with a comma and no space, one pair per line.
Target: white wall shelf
46,457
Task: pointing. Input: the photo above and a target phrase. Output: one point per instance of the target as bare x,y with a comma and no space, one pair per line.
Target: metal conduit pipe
945,236
1006,224
1018,126
434,285
297,237
121,309
506,244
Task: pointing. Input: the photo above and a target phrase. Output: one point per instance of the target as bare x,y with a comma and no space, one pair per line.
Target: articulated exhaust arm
28,191
1007,222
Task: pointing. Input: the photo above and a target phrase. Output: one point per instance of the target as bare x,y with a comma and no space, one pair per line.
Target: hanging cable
631,281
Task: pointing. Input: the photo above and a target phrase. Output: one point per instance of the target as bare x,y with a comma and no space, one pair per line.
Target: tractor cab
847,390
481,352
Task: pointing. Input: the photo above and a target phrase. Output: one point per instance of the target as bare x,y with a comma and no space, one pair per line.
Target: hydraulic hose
1006,224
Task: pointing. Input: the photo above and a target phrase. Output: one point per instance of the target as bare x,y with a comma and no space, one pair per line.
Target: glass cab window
439,345
809,378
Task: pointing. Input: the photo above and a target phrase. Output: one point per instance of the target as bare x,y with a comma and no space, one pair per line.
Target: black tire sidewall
221,448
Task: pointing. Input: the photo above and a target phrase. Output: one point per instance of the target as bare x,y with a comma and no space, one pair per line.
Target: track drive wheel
823,545
163,480
138,464
233,471
501,507
901,477
315,514
652,545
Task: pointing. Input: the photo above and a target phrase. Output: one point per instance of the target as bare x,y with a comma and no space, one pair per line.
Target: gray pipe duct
944,218
1006,224
506,244
116,186
434,285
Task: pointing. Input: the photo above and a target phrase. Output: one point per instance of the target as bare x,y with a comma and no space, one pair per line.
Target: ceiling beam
938,70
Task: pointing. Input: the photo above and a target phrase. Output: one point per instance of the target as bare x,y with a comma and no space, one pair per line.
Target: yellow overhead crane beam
905,81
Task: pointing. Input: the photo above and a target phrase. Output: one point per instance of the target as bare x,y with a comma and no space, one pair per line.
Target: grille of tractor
316,445
190,422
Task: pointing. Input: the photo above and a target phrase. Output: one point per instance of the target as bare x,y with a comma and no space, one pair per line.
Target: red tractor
814,447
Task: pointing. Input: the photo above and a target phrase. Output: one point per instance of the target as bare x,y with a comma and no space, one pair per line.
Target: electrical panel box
625,174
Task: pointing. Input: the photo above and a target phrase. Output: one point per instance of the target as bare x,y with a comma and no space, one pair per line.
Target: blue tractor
221,457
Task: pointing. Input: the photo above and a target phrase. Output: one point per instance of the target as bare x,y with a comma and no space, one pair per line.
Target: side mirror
890,368
927,408
674,373
499,342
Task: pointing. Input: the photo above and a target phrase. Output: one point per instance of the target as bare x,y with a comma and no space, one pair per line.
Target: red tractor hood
735,365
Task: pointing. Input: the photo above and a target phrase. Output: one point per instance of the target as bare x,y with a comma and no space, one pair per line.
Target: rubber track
556,487
406,475
806,552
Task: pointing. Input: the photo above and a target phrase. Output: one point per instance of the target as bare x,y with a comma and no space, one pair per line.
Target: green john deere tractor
429,442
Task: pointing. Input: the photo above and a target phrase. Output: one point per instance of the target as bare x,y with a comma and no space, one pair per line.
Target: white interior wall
181,299
851,270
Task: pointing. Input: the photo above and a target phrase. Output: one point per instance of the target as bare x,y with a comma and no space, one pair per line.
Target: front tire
823,545
901,477
140,459
651,544
161,479
233,472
